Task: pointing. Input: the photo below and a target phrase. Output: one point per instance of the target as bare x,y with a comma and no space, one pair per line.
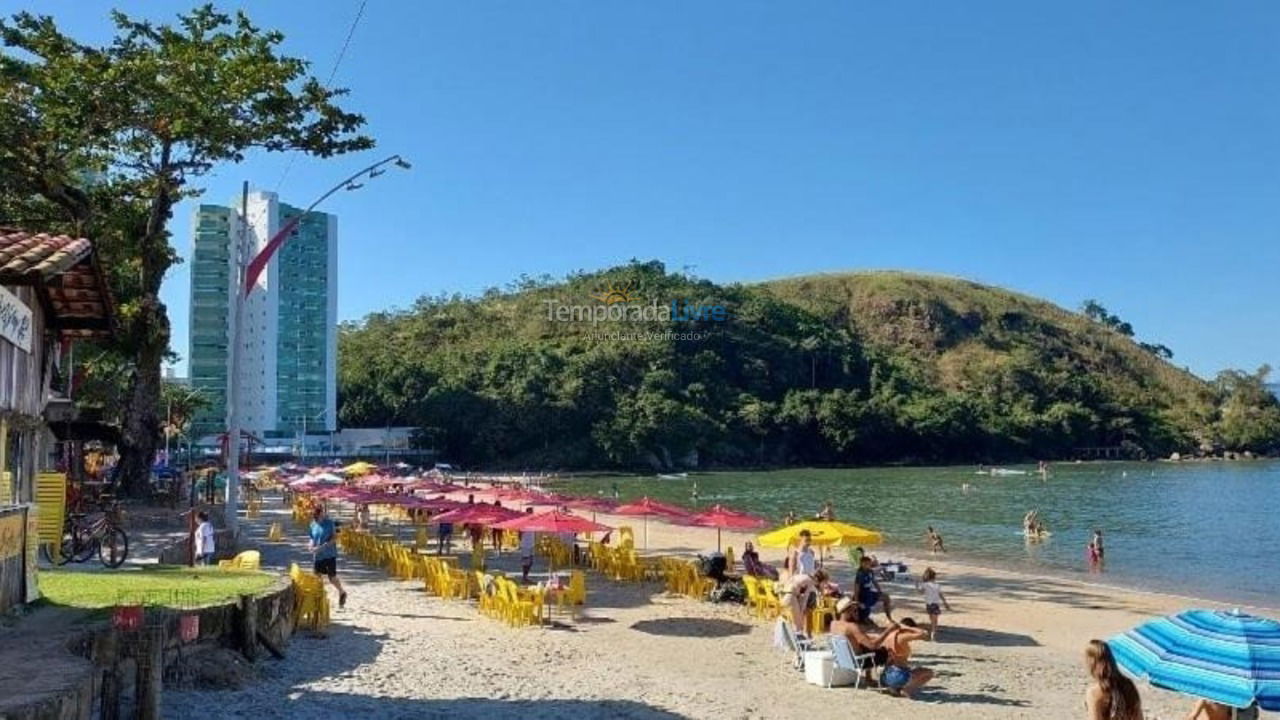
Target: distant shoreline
569,474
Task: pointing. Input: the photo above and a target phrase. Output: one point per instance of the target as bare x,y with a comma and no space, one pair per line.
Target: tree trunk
140,421
148,338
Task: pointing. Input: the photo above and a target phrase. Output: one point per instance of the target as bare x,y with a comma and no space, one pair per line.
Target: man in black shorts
324,547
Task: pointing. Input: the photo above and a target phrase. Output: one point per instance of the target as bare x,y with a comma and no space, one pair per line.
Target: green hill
599,370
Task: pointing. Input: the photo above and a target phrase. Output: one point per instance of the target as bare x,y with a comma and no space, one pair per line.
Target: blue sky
1128,152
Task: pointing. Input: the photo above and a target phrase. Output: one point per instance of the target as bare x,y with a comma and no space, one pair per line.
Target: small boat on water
1000,472
673,476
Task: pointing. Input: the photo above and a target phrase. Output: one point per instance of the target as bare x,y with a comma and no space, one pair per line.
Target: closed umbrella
722,518
1225,656
644,507
823,533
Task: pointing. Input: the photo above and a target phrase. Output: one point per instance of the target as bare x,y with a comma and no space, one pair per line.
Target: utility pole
233,393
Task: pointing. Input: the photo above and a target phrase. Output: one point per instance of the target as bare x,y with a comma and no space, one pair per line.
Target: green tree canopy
103,141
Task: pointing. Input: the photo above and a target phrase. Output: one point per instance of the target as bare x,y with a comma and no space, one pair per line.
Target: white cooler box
818,664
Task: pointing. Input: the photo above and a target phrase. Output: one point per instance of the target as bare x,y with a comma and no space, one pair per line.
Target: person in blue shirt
324,548
868,593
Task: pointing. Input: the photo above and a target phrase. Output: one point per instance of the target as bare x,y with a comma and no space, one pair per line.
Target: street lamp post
247,276
304,429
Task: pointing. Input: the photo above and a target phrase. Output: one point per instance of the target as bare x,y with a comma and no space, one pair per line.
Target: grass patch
165,586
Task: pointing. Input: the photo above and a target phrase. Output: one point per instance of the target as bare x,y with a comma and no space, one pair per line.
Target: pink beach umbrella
551,521
645,507
722,518
591,504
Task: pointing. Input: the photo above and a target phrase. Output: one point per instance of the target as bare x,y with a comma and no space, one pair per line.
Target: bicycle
85,533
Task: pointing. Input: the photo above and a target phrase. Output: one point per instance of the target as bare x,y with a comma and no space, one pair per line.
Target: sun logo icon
612,294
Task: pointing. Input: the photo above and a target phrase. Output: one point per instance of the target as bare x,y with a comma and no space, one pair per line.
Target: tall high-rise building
288,366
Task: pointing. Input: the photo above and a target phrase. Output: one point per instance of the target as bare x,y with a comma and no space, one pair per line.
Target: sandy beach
1011,649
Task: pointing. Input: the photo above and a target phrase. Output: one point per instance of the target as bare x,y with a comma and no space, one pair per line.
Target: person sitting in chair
751,564
863,642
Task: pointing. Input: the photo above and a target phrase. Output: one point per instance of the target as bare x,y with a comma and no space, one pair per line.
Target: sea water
1201,529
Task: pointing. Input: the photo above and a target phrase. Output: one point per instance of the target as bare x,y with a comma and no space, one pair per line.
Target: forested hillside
598,370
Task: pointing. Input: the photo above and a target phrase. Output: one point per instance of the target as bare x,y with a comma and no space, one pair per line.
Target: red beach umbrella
644,507
551,521
721,518
476,515
594,505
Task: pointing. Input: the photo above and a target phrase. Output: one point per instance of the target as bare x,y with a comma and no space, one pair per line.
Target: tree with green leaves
103,141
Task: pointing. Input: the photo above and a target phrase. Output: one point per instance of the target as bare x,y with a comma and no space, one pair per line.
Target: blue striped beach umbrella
1225,656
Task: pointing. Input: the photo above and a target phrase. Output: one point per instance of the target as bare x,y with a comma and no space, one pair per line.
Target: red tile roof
67,278
27,256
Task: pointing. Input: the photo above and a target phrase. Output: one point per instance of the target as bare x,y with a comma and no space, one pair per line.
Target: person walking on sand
1111,696
527,541
934,600
203,539
324,548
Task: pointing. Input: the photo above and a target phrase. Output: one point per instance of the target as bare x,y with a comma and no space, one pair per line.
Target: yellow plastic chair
517,610
577,588
311,603
247,560
755,600
484,593
816,620
275,533
771,603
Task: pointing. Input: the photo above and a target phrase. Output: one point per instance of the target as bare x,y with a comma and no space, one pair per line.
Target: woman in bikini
898,676
1112,696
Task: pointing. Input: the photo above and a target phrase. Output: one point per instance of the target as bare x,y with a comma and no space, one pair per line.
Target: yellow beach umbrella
823,533
359,468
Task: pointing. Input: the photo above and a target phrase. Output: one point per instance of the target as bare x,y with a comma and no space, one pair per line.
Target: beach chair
247,560
485,595
755,603
826,608
844,658
577,594
785,639
772,604
311,603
